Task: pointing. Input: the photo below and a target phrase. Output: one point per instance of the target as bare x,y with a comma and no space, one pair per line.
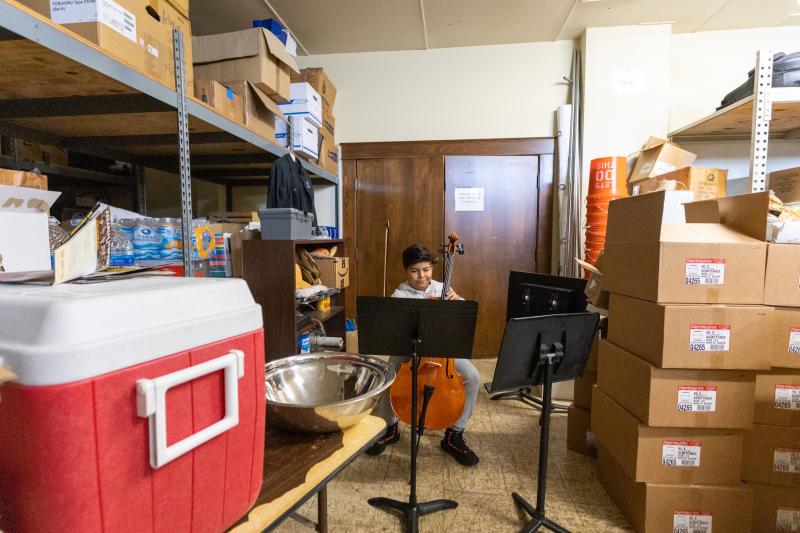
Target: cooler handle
151,403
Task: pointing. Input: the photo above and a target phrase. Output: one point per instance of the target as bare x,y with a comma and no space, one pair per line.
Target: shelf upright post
183,152
762,114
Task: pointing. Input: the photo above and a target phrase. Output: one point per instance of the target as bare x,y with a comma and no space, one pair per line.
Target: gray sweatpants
471,379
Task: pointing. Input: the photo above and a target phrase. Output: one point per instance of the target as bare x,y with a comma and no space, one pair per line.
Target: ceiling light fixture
795,14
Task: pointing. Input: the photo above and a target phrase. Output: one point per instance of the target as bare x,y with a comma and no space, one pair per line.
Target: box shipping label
709,337
787,519
691,522
697,399
787,397
705,271
794,340
786,460
680,453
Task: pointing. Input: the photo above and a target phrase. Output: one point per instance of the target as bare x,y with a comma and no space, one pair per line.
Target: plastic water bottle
121,249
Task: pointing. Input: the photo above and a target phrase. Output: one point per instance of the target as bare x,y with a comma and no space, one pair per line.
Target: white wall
454,93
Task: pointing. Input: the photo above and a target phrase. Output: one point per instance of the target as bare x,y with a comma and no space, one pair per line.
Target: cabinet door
408,192
498,236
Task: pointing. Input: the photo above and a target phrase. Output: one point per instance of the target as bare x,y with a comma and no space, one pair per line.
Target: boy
418,263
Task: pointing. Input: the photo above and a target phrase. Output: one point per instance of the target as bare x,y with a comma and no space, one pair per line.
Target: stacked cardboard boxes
580,437
676,377
320,82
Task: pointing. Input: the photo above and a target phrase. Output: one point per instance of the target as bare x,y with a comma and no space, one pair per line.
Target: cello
440,389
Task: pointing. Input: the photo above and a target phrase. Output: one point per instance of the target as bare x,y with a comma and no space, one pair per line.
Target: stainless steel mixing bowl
322,393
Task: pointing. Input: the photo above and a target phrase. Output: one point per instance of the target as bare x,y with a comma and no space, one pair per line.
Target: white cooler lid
52,335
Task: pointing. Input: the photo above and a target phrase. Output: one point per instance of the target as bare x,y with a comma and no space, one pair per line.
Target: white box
305,135
304,101
25,239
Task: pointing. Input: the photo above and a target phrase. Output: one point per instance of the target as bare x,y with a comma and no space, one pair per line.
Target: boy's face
419,275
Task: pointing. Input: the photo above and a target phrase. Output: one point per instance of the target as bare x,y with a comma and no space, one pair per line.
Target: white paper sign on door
469,198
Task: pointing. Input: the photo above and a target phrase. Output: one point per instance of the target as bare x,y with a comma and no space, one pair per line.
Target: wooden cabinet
268,268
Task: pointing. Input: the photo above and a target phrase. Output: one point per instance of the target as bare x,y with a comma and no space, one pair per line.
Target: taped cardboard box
782,279
785,348
775,508
579,431
778,398
172,16
259,111
659,397
36,152
705,183
659,157
328,152
595,288
666,455
786,184
721,337
772,455
582,395
255,55
661,507
319,80
20,178
123,28
222,99
685,263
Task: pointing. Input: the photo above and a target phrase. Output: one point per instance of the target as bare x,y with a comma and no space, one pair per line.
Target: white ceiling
339,26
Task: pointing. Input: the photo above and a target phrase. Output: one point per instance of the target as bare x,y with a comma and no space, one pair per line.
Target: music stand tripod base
524,395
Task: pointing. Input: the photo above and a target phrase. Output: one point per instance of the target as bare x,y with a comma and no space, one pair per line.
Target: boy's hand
451,295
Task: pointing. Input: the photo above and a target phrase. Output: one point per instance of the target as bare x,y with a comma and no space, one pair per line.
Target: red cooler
138,405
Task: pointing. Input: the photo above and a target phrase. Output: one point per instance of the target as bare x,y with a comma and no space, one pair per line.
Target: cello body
446,394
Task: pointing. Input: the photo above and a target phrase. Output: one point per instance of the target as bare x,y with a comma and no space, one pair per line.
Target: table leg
322,510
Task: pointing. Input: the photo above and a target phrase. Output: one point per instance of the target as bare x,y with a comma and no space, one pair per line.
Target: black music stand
540,351
410,328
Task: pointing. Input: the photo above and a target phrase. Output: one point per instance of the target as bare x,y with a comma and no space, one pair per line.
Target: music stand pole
538,514
412,510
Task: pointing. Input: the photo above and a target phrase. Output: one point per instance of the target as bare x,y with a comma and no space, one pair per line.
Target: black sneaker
453,443
391,436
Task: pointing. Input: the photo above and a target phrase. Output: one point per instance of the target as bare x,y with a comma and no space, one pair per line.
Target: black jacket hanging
290,186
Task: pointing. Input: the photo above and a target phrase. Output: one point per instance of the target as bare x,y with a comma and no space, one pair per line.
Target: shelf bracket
183,152
762,114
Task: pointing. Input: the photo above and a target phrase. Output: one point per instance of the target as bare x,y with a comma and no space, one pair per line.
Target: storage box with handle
138,405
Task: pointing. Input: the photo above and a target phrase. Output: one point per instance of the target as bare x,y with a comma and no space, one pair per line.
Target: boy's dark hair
416,253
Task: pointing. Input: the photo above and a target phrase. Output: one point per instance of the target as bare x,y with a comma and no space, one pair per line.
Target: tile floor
505,435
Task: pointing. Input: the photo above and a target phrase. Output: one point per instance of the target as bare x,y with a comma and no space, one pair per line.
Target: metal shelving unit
65,91
770,113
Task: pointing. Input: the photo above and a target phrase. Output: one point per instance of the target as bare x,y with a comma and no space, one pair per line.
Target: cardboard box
334,272
223,99
305,136
782,279
684,263
328,151
666,455
172,16
785,348
786,184
20,178
260,112
660,507
778,398
255,55
772,455
721,337
123,28
595,290
682,398
705,183
582,395
304,102
775,508
182,6
660,157
591,361
26,248
36,152
579,432
351,341
319,80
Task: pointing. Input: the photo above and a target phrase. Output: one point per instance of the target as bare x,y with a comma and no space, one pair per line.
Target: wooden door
497,239
408,192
